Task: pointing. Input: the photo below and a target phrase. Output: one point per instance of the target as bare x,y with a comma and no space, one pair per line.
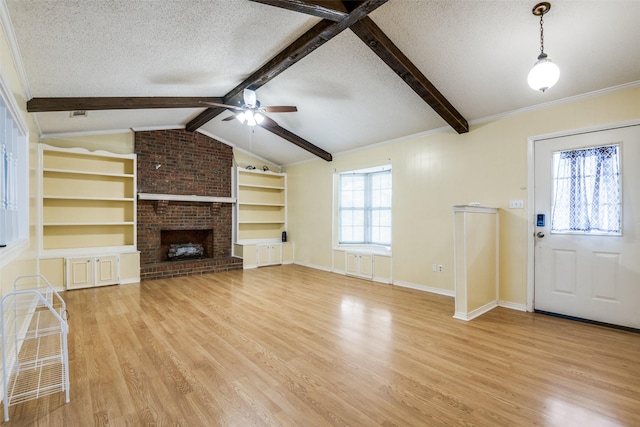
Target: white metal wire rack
35,360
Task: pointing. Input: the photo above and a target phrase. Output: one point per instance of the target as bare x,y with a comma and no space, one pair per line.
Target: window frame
20,134
368,209
554,190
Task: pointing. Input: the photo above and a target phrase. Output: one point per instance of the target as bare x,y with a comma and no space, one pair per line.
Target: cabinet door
275,254
359,265
352,264
269,254
366,266
106,270
263,254
80,273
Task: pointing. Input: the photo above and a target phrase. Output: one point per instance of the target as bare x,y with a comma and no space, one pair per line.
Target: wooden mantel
186,198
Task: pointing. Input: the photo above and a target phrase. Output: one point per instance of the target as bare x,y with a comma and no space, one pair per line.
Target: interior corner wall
431,174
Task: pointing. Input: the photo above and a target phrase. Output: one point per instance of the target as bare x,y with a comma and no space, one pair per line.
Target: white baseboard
439,291
129,281
317,267
512,305
475,313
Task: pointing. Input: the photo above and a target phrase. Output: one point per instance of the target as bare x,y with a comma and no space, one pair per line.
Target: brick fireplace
180,163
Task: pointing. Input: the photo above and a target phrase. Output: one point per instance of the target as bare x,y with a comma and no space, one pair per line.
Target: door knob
540,234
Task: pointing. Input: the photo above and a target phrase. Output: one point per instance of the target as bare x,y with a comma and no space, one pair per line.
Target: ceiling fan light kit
249,117
251,112
545,73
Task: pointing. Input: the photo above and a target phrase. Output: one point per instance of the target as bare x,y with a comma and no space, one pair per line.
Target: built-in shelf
88,201
266,187
82,224
262,204
107,199
82,172
260,222
186,198
260,212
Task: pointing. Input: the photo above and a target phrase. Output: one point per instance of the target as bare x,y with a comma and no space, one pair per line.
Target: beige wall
431,174
25,261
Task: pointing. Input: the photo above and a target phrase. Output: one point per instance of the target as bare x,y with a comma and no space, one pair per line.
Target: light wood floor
294,346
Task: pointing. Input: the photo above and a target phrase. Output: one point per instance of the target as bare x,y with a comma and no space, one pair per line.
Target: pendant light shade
544,73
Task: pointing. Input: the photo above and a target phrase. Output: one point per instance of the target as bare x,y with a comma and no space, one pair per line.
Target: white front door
583,267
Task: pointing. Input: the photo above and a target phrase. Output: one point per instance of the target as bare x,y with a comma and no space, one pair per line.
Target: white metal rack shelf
35,360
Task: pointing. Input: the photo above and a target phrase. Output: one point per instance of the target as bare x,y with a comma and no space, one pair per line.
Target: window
364,207
14,214
587,191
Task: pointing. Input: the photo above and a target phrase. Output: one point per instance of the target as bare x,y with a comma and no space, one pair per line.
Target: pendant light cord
541,35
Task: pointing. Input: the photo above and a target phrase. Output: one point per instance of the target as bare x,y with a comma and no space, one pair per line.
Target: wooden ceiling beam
295,139
38,105
321,33
333,10
382,45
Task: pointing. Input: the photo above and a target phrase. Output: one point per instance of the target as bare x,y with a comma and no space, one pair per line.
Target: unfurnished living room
319,213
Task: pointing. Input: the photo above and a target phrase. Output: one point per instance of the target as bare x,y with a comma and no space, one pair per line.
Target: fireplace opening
182,242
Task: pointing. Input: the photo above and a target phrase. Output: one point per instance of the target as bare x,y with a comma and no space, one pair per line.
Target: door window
587,191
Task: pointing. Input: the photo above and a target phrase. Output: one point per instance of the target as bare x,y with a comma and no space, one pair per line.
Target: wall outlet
434,267
516,204
440,268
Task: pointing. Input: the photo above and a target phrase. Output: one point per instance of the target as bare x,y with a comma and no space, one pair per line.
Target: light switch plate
516,204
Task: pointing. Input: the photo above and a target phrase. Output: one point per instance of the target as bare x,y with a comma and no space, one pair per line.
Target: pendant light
544,73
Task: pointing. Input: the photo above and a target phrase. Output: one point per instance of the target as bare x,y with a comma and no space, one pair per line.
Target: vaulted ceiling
360,72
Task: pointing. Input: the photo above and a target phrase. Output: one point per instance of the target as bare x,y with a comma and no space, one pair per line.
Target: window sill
369,249
12,251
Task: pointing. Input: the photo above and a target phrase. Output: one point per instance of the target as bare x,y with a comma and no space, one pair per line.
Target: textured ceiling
477,53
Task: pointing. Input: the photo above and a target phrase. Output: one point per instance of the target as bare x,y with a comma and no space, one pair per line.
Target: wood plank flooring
293,346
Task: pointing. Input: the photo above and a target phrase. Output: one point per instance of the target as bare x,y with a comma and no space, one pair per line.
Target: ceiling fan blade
280,109
228,119
250,98
215,104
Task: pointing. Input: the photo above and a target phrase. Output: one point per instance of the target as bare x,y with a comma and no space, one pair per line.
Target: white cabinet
359,265
87,272
269,254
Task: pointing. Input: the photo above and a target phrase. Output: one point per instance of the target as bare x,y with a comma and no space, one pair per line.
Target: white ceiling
477,53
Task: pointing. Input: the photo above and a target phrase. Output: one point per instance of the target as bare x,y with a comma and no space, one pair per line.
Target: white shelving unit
261,208
88,201
88,208
35,360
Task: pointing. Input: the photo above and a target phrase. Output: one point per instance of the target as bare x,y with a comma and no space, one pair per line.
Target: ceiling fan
251,111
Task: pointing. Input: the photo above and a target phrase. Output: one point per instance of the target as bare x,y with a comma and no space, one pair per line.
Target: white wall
433,173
